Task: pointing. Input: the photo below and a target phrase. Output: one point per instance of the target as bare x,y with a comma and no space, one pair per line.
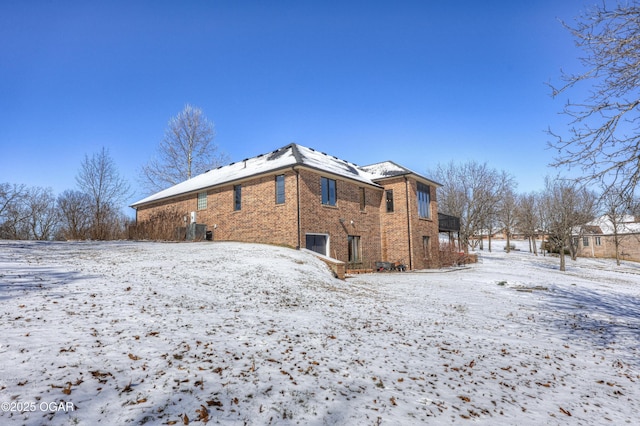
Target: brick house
298,197
598,238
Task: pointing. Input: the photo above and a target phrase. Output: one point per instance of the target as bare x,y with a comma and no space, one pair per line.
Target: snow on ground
187,333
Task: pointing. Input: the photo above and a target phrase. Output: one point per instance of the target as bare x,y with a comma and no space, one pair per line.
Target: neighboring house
298,197
598,238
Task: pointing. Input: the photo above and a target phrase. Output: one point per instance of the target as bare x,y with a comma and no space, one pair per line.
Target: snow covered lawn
187,333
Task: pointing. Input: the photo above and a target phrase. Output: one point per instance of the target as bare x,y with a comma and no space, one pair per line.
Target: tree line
487,202
94,209
90,212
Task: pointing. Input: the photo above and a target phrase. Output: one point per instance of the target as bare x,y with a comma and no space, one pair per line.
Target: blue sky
416,82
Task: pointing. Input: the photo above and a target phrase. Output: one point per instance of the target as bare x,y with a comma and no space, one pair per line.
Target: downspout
298,201
406,182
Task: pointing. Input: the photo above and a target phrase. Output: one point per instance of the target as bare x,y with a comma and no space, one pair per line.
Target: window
280,189
237,197
317,243
389,198
202,200
598,241
425,247
424,199
328,191
585,241
354,249
363,201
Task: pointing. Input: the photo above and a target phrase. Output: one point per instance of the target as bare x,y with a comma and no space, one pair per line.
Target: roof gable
389,169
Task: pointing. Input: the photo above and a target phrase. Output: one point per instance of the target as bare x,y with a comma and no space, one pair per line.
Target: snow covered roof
626,224
389,169
285,157
386,169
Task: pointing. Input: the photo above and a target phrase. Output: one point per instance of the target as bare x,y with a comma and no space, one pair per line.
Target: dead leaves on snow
100,376
67,389
565,412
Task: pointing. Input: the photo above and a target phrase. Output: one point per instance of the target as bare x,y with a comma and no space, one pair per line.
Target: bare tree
13,213
472,192
603,139
42,213
75,215
528,218
100,180
9,194
500,203
567,207
617,207
186,151
507,214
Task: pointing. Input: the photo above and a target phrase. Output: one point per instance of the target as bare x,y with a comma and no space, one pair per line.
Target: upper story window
280,189
389,200
237,197
424,201
363,201
328,187
202,200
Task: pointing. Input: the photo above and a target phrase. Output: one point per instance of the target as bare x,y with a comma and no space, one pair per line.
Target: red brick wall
260,219
316,218
395,226
420,227
184,204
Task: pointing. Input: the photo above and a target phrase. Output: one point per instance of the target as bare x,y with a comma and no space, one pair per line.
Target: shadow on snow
602,319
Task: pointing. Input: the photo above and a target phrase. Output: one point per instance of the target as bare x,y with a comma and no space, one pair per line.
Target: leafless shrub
161,225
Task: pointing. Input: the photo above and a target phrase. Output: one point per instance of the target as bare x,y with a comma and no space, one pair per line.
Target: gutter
406,183
298,202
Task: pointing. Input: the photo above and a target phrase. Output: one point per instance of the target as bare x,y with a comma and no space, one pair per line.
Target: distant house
296,196
598,238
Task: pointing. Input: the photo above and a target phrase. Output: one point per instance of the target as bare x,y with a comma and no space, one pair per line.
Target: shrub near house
299,197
